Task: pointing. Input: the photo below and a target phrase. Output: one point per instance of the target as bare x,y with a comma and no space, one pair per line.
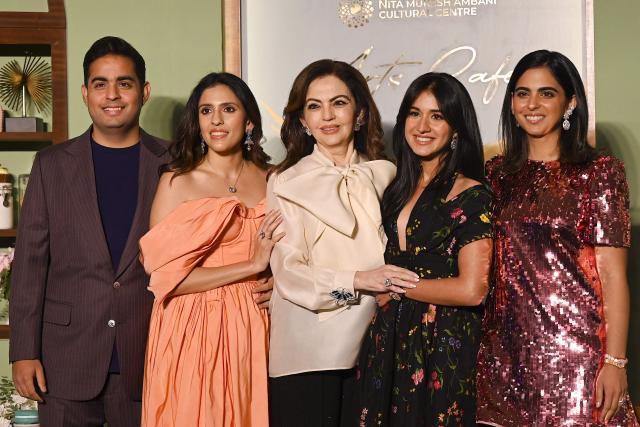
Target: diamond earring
454,141
307,130
566,124
203,146
358,125
248,142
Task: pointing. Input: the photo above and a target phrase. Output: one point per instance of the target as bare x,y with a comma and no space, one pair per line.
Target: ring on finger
621,401
387,282
261,234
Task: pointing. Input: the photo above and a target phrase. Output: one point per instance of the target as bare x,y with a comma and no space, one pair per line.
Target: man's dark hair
111,45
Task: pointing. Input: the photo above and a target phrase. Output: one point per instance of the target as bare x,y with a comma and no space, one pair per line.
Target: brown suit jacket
67,305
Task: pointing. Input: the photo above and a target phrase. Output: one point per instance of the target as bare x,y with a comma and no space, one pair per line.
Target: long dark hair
573,143
186,153
367,141
467,158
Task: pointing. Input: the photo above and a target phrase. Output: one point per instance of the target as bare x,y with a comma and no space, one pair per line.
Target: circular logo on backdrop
355,13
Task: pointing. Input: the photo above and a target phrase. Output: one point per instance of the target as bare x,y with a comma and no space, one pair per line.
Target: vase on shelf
6,199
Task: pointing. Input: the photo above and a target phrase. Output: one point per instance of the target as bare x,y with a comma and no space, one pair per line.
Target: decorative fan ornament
32,80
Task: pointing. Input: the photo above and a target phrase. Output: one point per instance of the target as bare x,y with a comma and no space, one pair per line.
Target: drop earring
248,142
306,130
358,125
203,146
454,141
566,124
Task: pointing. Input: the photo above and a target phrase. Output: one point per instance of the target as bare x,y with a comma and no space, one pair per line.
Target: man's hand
263,291
25,374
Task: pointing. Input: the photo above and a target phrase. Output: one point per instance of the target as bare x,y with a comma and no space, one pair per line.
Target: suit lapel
81,182
150,159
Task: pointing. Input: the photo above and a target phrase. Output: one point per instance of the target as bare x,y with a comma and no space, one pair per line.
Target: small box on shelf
24,124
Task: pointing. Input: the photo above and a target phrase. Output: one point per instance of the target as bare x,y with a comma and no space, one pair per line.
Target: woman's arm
471,285
298,280
200,279
611,384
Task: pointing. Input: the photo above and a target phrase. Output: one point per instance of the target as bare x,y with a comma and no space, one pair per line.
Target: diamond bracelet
618,363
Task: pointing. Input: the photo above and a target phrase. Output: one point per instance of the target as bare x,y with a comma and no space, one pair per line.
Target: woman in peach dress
209,244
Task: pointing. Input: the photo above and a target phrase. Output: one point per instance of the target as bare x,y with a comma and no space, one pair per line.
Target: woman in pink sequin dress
557,319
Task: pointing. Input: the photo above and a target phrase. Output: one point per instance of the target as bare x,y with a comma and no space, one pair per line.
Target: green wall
24,5
181,41
618,129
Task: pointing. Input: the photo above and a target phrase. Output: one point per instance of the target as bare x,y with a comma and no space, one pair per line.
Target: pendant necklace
232,188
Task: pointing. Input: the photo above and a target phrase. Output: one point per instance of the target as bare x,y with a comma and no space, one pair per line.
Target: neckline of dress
258,209
543,162
231,197
448,185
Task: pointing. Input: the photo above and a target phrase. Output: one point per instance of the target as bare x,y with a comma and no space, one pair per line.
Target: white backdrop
394,41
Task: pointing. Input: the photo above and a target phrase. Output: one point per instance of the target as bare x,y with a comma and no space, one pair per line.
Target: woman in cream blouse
330,262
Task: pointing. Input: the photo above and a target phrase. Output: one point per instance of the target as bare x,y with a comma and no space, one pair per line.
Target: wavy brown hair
186,153
367,141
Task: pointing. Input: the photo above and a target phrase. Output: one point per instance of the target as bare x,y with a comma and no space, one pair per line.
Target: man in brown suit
79,302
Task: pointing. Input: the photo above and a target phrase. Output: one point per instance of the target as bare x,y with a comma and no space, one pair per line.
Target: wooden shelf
47,29
42,28
27,136
8,233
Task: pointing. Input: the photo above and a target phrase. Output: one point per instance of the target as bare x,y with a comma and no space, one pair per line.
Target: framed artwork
393,41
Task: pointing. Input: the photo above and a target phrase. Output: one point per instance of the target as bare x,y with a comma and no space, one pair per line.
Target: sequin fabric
544,335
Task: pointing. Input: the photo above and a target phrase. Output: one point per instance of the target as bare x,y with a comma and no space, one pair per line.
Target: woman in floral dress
417,363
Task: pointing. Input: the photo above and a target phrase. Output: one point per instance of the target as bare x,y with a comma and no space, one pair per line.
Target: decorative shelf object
43,28
48,30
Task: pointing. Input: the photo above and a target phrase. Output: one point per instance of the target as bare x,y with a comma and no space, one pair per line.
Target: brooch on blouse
342,296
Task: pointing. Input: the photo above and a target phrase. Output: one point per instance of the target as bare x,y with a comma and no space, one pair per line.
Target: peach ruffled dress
206,362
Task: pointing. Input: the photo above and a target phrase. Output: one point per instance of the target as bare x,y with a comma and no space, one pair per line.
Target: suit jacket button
111,323
116,285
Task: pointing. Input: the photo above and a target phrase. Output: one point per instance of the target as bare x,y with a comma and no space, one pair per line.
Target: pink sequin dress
544,331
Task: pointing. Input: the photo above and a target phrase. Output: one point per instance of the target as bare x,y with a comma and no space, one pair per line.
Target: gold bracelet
618,363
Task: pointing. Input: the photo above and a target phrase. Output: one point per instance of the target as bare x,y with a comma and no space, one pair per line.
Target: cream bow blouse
333,229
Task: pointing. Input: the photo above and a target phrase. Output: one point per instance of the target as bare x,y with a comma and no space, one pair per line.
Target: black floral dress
417,366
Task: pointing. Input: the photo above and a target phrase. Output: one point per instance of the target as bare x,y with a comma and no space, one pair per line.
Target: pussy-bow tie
328,192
